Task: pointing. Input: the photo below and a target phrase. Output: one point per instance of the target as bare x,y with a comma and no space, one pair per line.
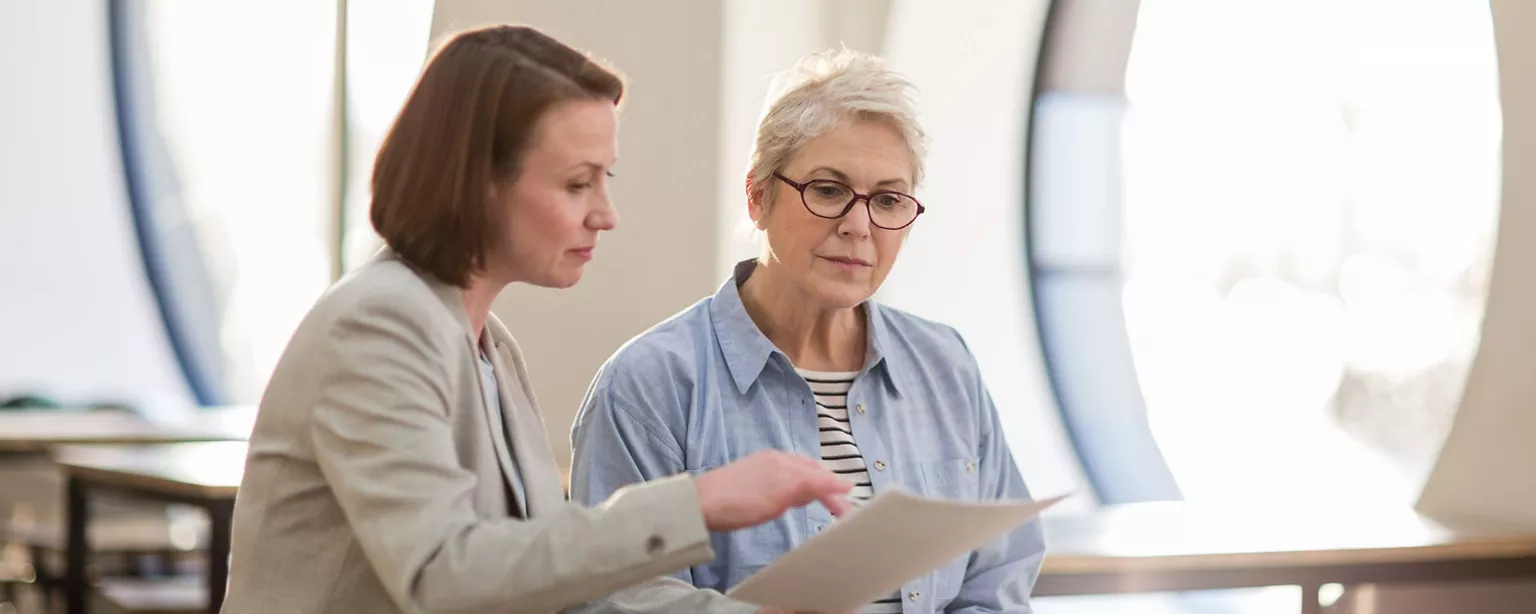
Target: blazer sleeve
383,439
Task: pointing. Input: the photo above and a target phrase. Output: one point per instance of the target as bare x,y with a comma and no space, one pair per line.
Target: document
871,552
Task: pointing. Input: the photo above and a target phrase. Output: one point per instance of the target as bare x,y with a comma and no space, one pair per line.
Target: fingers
816,483
803,462
830,489
812,482
837,504
827,482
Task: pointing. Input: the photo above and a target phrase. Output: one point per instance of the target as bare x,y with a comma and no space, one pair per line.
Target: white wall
662,256
698,72
1485,468
760,39
77,321
963,263
974,69
1484,471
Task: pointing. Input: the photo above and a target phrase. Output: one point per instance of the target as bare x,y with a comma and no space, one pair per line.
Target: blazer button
879,465
914,595
859,408
970,467
655,545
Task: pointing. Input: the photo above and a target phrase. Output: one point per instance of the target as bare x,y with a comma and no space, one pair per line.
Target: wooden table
1156,547
206,475
34,431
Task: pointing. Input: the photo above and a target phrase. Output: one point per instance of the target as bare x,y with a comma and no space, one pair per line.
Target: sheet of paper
870,553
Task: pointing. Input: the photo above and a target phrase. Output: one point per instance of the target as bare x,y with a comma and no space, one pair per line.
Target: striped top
839,453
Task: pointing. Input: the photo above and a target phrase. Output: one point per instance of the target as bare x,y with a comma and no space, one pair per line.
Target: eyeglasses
830,199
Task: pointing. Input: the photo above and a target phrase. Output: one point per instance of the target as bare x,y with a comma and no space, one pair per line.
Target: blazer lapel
530,443
453,299
519,417
498,430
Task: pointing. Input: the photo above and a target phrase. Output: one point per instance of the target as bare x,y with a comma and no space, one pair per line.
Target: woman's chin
559,279
842,295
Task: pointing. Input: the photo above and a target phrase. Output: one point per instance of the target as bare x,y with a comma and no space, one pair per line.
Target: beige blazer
377,480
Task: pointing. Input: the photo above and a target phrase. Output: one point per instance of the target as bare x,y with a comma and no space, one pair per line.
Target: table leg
1309,599
221,518
76,548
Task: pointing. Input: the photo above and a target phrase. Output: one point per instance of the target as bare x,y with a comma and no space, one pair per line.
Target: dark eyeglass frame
800,187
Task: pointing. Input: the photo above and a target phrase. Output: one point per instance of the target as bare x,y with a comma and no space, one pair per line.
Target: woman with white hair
792,353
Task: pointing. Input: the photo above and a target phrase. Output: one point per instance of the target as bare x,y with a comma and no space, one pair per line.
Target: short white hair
822,89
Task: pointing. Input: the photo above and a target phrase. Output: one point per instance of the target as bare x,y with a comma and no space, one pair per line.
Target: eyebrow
843,177
588,165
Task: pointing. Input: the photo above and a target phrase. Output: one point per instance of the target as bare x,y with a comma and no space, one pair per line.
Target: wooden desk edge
1482,549
23,445
141,482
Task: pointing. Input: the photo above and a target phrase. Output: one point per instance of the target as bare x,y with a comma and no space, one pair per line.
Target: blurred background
1236,252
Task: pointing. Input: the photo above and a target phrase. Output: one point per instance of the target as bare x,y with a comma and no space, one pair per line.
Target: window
233,151
1310,207
386,48
1301,206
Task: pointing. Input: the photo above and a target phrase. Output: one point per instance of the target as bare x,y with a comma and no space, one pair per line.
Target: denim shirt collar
747,350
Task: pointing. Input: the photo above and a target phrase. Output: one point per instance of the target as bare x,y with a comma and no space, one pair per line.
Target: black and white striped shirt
839,453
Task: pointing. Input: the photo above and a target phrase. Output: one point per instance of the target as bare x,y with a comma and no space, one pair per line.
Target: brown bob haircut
462,132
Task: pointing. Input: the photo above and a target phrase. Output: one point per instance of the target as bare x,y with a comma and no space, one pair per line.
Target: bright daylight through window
1311,198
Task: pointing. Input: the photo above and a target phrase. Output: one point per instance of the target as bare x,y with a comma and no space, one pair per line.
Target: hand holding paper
851,564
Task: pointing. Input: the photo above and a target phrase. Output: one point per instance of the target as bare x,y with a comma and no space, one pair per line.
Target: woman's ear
755,204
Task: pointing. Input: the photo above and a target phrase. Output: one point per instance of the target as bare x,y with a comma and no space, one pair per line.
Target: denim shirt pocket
955,479
751,549
742,552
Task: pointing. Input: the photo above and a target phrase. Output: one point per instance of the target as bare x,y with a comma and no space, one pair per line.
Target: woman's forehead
856,152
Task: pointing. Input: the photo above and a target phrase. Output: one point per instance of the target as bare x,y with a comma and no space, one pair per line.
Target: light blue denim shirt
706,387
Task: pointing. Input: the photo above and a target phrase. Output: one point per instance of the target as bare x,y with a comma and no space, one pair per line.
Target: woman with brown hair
399,462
